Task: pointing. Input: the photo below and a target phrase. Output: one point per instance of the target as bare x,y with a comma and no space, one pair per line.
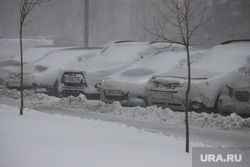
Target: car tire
55,92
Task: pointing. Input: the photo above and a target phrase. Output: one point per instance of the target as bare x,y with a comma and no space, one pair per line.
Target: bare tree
26,6
178,25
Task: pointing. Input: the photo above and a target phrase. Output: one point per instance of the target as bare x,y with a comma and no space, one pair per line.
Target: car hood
198,74
241,84
139,80
130,86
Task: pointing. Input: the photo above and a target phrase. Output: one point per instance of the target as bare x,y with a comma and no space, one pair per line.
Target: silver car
41,70
85,77
216,68
127,86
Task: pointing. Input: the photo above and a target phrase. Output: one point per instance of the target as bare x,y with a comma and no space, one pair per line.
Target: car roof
235,41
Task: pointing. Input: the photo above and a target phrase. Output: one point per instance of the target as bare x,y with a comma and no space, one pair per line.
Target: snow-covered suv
127,86
218,67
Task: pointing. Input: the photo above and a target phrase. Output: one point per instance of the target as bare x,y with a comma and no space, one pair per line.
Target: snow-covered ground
42,139
39,139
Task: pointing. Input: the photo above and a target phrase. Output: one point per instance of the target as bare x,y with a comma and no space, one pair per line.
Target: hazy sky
117,20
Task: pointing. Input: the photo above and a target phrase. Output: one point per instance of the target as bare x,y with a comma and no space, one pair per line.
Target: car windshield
122,52
137,72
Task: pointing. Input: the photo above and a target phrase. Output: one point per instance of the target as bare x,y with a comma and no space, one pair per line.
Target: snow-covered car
216,68
42,65
86,77
127,86
235,98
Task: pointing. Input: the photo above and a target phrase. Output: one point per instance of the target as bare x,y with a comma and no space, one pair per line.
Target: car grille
242,96
172,85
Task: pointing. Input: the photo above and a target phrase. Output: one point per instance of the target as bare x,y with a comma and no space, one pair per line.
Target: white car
218,67
236,98
42,66
85,77
127,86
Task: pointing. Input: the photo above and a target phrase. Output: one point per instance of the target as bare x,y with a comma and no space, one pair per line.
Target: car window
137,72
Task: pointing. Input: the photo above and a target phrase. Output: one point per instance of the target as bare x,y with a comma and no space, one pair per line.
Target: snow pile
3,75
35,98
43,140
231,122
15,94
151,113
10,93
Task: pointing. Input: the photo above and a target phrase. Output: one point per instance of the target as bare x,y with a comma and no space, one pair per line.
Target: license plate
113,92
162,95
72,79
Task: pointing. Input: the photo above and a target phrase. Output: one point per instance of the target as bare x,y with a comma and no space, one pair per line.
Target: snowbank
152,113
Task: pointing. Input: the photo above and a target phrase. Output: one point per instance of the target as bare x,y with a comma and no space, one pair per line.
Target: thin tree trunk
187,106
21,81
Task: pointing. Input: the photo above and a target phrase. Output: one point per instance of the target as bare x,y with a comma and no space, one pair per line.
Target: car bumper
126,99
165,99
229,105
76,91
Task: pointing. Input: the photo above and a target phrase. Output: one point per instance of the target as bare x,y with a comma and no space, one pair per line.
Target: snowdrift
152,113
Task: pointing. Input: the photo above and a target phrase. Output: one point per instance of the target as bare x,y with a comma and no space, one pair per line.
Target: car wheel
55,89
199,107
216,106
146,101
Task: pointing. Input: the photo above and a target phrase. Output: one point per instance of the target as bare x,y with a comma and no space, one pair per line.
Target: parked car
86,77
41,71
217,68
127,86
235,98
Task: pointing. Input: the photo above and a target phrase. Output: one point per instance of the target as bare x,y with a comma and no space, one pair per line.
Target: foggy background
117,20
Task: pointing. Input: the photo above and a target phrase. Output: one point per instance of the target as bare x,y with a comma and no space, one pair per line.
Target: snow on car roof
222,58
162,60
218,59
111,55
11,47
41,62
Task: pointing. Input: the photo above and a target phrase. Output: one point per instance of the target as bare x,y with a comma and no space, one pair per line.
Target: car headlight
103,81
144,80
